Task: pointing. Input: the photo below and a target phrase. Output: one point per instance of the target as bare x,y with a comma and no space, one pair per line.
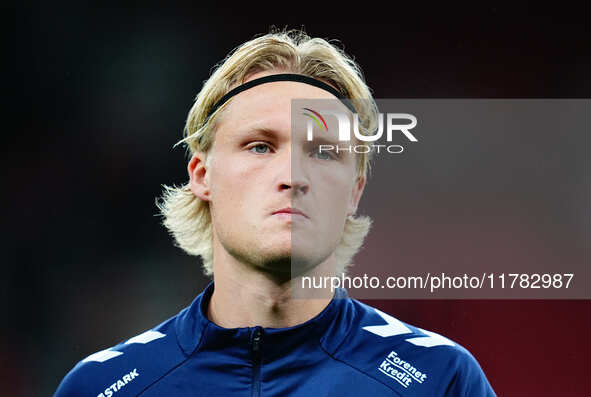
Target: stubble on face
245,191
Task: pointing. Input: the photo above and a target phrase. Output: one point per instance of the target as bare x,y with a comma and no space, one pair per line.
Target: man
263,208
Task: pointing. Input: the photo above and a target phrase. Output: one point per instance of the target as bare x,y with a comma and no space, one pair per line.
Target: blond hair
186,216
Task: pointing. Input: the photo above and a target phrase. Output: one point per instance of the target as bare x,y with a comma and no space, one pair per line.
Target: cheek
333,198
233,181
334,188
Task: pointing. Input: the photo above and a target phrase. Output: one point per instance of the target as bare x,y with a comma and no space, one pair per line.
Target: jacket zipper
256,361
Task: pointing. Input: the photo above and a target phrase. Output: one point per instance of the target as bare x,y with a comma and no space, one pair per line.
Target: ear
199,176
356,195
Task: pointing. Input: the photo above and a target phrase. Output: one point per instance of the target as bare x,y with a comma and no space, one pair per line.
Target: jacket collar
195,332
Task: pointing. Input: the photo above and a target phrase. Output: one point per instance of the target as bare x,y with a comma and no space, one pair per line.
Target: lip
290,210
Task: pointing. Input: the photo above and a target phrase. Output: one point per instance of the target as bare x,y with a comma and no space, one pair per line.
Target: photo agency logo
394,124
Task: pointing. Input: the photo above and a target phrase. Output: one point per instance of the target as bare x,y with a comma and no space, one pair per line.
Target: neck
246,297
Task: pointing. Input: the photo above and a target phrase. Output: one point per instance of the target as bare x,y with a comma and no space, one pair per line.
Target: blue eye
323,155
260,145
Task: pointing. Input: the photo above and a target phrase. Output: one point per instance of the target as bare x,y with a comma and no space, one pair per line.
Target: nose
293,178
297,188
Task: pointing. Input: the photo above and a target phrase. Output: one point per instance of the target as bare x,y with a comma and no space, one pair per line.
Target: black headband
299,78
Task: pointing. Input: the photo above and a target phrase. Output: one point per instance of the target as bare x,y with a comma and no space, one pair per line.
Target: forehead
268,107
266,110
270,101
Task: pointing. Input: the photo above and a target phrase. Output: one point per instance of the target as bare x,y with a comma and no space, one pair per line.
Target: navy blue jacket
349,349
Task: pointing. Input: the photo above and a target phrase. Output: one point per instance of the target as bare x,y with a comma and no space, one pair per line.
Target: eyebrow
323,140
273,134
268,132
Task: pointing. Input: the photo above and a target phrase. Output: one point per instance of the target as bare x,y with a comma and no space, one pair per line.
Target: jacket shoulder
411,360
126,368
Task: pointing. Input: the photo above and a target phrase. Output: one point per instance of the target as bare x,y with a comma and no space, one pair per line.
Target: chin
276,265
284,262
281,259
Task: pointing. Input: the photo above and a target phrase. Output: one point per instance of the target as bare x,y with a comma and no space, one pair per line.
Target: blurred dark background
96,96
